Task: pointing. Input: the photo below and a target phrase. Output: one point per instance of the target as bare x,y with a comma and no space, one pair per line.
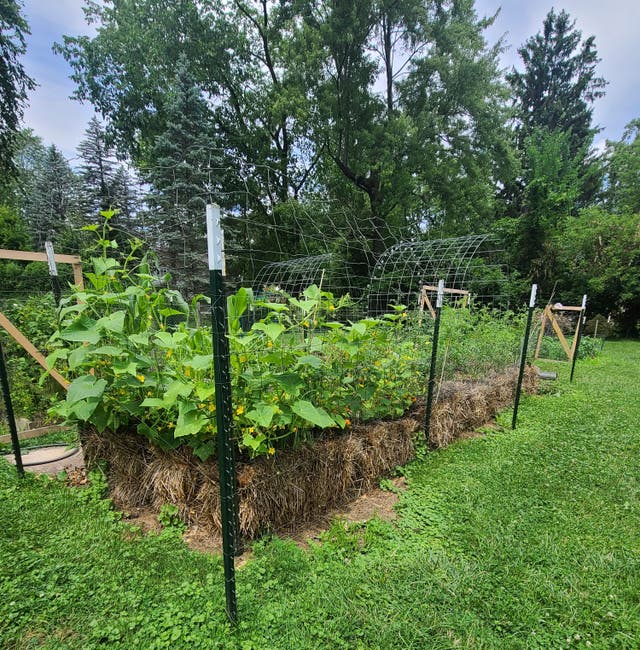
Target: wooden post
21,339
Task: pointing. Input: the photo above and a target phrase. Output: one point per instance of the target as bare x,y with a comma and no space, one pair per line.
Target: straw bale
295,486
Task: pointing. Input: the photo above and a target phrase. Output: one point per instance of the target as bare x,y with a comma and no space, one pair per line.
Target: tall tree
50,204
96,170
551,186
556,90
294,92
105,184
181,168
598,253
623,171
558,85
15,83
439,124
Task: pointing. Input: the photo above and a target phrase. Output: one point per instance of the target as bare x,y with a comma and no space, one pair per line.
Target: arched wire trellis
294,275
329,271
469,263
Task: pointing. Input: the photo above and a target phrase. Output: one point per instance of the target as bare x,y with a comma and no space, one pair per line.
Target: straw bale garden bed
322,407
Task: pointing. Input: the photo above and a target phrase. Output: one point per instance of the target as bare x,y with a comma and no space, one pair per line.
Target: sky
615,24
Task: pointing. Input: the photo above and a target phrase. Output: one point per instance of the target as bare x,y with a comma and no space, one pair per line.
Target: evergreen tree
556,90
558,85
96,171
50,205
181,168
106,185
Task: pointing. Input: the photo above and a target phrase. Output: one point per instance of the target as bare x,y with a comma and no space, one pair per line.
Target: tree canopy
15,83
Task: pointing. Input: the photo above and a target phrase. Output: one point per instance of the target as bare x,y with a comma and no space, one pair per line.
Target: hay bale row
282,492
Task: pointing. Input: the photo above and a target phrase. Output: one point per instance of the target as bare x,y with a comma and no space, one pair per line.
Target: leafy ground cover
525,539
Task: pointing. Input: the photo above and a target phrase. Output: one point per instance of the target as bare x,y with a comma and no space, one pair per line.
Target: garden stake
578,335
13,429
523,354
434,358
53,272
224,418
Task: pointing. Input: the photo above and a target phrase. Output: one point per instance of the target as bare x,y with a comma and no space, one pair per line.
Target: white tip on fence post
440,293
51,260
215,238
584,302
532,300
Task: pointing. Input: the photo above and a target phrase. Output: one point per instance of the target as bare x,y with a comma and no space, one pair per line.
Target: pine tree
97,170
555,92
181,168
558,85
50,203
106,185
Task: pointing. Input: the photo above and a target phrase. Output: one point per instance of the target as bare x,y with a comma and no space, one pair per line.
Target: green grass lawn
525,539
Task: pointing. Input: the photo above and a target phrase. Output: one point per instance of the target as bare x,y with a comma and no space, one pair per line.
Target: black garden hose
52,460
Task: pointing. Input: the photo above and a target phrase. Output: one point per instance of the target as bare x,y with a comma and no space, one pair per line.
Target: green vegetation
551,348
524,539
35,317
295,368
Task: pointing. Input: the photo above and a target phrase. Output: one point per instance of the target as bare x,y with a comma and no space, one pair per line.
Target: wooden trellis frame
548,315
424,301
12,330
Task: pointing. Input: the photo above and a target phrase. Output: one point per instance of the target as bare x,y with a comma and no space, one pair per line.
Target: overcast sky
615,24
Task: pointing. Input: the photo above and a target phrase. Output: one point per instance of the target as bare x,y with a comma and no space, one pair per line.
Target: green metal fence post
434,359
578,335
224,416
13,429
523,353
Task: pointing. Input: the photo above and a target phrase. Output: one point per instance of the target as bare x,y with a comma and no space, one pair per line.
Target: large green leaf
310,360
164,340
60,353
262,414
83,329
289,381
77,356
103,264
113,322
204,390
272,330
85,387
190,421
85,407
303,305
139,339
313,414
237,305
177,389
124,366
109,350
153,402
200,362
